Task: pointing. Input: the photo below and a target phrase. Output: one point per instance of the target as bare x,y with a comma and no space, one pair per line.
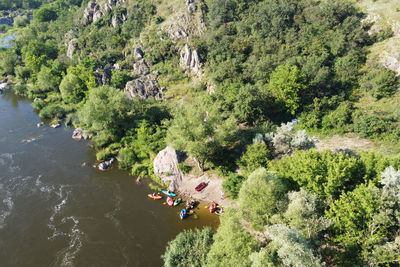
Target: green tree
261,196
200,130
293,248
8,62
256,156
232,244
46,80
287,84
304,213
325,173
189,248
72,89
45,14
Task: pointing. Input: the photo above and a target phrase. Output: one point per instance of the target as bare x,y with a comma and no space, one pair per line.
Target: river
56,212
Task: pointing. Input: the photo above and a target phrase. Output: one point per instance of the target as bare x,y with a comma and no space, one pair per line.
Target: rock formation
72,45
103,76
166,166
190,60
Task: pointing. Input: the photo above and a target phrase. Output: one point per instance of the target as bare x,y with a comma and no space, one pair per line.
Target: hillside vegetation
219,80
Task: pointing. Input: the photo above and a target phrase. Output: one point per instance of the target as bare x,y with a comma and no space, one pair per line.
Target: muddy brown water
56,212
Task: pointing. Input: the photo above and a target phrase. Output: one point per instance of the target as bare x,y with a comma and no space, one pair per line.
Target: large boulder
166,167
144,88
103,76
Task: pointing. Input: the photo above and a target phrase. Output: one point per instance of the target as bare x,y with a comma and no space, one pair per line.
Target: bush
126,158
338,119
104,154
184,168
370,125
38,105
256,156
52,112
20,89
379,82
232,184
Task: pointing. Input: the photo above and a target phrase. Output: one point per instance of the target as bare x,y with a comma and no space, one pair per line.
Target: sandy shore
211,193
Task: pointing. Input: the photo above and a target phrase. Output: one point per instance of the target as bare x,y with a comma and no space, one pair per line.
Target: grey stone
105,164
190,60
72,45
166,166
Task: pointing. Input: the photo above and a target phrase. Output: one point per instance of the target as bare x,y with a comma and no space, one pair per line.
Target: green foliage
232,244
119,79
53,111
200,130
184,168
38,105
338,119
287,84
45,14
373,125
256,156
103,155
8,62
189,248
72,89
324,173
126,158
232,184
21,21
379,82
261,197
293,248
20,89
105,109
46,80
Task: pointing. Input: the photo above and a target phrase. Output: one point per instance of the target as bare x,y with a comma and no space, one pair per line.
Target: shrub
184,168
126,158
256,156
379,82
370,124
20,89
103,154
52,112
38,105
232,184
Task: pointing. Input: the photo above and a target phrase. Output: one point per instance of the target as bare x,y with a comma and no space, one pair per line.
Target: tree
304,213
46,80
287,84
232,244
105,109
45,14
8,61
200,130
325,173
261,196
293,248
72,89
189,248
256,156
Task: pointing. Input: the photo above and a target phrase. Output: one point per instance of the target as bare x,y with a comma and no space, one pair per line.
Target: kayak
200,186
183,214
190,204
154,197
170,202
168,193
212,207
177,201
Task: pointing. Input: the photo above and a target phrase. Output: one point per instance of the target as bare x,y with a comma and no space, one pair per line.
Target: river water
56,212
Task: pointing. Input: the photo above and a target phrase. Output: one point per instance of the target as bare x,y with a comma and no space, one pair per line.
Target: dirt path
345,142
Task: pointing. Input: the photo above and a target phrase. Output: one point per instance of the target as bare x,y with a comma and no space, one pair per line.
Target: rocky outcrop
72,45
79,134
103,76
95,12
166,167
190,60
191,6
103,166
141,68
144,88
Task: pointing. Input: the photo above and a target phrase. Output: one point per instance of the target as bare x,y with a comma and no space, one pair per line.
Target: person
154,194
222,194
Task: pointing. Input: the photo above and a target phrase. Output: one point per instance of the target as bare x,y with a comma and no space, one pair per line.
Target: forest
273,72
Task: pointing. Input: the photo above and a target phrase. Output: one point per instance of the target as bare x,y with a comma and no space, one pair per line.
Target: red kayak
200,186
170,201
212,207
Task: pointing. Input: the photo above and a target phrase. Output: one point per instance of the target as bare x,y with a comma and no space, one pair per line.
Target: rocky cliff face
190,61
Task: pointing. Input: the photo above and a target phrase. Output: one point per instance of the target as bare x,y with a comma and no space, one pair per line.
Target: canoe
170,202
212,207
154,197
200,186
168,193
183,214
177,201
